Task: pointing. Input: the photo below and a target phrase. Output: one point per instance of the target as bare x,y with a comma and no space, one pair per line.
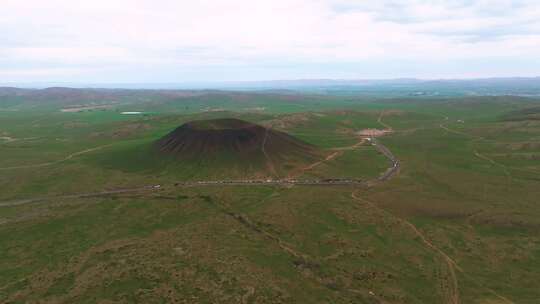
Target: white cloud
168,34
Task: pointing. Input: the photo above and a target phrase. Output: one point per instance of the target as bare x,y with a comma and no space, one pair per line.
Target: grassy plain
459,224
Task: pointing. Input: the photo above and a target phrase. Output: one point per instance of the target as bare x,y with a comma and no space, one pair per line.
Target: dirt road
386,126
70,156
80,195
395,165
390,172
338,152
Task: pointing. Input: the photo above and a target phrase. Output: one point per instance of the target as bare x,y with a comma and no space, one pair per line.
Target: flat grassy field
459,223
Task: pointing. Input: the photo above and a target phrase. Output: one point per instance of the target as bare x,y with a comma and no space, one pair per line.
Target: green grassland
464,206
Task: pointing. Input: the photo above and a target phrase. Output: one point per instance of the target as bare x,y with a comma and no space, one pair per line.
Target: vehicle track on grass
509,176
450,284
494,163
461,133
337,152
505,167
79,195
9,140
385,125
301,261
70,156
355,146
486,158
320,162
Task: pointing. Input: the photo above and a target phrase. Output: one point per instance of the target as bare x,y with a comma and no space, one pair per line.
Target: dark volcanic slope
230,136
230,147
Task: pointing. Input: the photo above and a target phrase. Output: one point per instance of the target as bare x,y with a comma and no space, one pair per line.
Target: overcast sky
214,40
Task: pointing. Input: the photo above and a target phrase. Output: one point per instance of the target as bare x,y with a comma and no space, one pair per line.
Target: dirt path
302,261
459,132
269,161
72,155
510,178
253,226
338,152
8,139
386,126
449,284
503,166
396,165
496,164
356,145
80,195
316,164
486,158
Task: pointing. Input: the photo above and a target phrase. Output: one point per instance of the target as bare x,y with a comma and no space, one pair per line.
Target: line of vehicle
285,182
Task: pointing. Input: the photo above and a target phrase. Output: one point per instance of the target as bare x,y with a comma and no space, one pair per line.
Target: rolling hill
237,145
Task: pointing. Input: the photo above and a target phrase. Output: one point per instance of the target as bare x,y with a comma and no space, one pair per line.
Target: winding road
289,181
449,279
389,173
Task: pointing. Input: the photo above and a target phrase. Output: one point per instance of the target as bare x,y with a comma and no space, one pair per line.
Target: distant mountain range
520,86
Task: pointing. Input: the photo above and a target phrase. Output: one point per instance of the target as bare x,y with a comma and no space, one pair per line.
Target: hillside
233,143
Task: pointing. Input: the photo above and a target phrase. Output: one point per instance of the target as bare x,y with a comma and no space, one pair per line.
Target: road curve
395,164
285,182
